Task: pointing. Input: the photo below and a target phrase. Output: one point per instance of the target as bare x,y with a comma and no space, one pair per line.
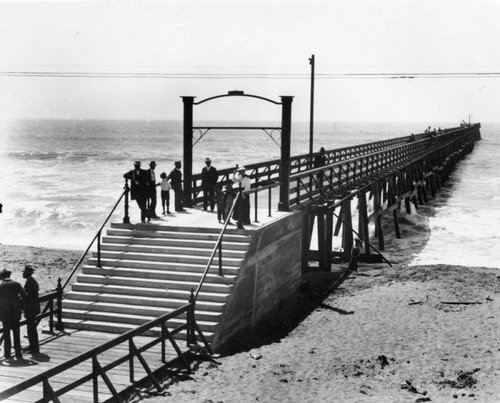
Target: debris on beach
464,380
407,385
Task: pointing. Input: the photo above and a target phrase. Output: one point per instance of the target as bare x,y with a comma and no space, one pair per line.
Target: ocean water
60,178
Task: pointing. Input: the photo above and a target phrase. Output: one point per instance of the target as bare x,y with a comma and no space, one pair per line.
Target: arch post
286,129
188,150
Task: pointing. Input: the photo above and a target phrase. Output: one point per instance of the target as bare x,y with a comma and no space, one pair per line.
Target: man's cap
177,162
137,163
208,160
152,163
5,273
322,149
29,269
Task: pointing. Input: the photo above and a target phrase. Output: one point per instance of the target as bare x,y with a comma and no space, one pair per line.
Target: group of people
143,186
14,299
143,190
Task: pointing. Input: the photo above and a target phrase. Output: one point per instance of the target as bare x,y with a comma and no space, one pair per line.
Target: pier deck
61,347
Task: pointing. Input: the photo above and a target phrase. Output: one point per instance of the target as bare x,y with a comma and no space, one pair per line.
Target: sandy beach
388,334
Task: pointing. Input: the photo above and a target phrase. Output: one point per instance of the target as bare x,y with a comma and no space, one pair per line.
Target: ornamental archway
285,130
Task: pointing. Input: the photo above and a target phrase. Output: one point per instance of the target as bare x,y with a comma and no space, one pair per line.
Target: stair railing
218,244
97,236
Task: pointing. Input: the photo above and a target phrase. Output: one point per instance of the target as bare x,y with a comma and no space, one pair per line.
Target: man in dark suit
31,307
175,178
139,184
152,190
320,161
11,297
209,178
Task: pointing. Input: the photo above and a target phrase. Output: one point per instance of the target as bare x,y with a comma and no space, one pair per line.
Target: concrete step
131,308
130,319
120,328
159,267
126,277
157,227
167,257
131,301
220,294
163,234
174,242
170,250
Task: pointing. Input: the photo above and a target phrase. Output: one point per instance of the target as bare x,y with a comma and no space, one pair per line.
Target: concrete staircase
148,270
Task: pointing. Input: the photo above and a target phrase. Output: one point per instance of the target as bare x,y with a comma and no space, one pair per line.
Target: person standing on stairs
209,176
175,177
152,190
139,181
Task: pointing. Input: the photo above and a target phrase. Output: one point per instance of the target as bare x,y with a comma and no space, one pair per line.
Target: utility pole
311,116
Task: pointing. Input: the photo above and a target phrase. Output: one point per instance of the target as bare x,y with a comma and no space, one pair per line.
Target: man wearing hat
31,307
175,177
152,190
209,178
11,297
139,181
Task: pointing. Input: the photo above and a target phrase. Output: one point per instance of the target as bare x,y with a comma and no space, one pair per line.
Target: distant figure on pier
175,177
139,181
31,308
428,130
12,296
355,254
165,192
320,161
152,190
412,138
240,177
209,178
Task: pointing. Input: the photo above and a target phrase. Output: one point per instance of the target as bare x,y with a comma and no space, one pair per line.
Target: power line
274,76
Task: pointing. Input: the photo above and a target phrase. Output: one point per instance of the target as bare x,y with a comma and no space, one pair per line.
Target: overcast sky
266,41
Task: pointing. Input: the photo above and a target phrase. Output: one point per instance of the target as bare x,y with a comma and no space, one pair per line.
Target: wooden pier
210,280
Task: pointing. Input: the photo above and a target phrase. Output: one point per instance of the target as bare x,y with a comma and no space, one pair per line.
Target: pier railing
339,178
267,172
99,370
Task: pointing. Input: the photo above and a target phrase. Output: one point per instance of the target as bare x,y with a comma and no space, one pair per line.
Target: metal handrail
96,236
217,246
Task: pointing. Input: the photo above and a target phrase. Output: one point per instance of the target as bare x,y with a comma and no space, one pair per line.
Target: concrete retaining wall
270,273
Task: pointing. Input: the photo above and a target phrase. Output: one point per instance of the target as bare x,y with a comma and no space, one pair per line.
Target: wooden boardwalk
59,348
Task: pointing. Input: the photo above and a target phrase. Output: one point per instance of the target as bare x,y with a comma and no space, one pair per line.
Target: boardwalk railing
100,370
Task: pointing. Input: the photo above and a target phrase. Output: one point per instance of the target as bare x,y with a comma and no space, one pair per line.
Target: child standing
165,192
